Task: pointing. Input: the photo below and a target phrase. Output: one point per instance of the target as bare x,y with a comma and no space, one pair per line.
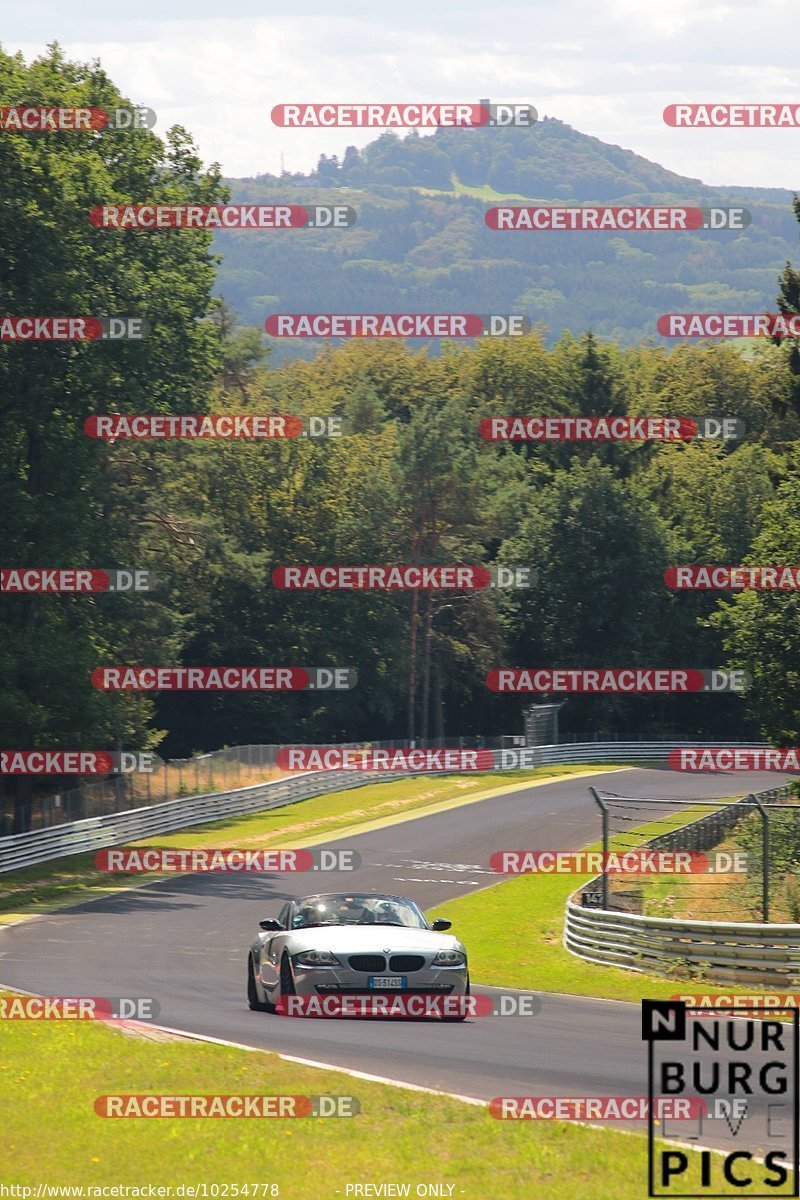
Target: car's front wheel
252,992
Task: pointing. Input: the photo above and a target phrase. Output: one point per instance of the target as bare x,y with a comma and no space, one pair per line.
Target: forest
408,481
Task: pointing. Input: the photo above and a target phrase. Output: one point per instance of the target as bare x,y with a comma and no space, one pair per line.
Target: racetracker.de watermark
222,216
75,762
133,860
224,679
623,680
594,1108
403,115
732,116
609,429
729,325
73,580
73,329
31,118
735,758
546,218
335,758
401,578
626,862
728,1000
391,1004
408,325
151,1105
734,579
78,1008
145,426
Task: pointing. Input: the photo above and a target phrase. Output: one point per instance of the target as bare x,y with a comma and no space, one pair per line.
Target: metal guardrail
115,829
622,752
736,951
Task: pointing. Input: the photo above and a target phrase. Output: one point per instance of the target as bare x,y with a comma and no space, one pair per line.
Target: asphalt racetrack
184,942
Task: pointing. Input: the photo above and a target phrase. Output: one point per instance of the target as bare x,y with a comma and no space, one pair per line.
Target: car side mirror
270,923
440,925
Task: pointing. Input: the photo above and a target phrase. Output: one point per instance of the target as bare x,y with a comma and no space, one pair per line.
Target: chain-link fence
22,810
743,860
232,767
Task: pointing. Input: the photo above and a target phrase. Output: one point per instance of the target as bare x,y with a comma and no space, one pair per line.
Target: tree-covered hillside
421,245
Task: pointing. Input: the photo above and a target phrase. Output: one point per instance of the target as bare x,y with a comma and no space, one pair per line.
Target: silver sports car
339,944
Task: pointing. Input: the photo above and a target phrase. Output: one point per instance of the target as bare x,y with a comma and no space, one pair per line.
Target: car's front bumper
431,981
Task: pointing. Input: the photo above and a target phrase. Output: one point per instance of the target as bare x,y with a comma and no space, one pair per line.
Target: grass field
481,191
51,1073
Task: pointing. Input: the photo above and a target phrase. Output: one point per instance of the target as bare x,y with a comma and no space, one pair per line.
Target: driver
311,914
353,912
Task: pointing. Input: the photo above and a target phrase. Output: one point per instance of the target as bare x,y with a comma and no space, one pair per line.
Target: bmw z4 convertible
339,945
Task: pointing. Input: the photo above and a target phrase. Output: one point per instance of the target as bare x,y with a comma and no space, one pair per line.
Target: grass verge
513,932
52,1072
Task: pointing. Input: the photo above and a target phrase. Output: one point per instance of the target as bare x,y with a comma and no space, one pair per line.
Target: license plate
383,982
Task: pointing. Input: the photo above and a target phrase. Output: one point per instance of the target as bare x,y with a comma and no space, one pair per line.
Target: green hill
420,242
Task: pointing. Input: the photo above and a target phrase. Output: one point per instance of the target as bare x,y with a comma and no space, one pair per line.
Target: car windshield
356,910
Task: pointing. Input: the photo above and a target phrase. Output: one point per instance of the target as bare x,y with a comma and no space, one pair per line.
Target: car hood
373,939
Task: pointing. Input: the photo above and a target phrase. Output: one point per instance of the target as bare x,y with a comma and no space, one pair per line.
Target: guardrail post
764,856
604,818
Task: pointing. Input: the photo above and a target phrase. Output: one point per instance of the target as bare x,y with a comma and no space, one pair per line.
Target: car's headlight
316,958
450,958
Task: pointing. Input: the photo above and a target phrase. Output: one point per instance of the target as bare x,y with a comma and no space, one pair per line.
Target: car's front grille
406,963
367,962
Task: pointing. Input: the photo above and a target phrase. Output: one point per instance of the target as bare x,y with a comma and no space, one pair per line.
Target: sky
606,69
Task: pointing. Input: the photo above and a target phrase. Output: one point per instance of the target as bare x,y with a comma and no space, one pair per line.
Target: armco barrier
731,951
116,829
621,752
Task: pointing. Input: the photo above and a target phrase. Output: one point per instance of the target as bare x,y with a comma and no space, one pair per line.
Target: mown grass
51,1073
480,191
